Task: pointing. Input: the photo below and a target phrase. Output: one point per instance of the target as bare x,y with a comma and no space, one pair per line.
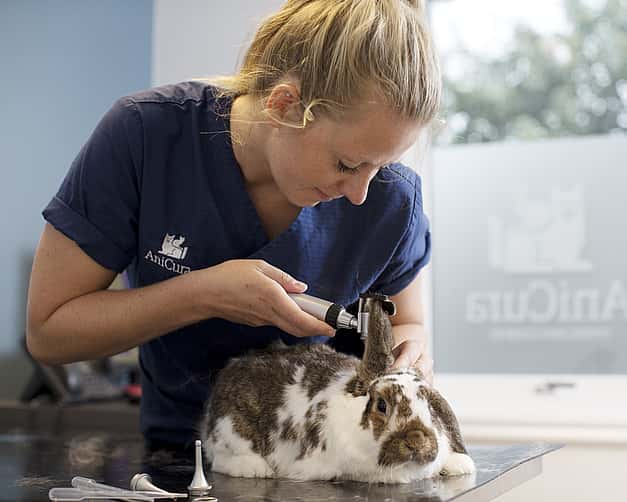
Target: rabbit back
268,413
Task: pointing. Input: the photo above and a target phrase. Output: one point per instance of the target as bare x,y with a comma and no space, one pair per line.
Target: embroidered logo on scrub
171,249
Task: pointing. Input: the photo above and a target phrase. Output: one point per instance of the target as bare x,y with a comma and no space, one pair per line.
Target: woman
214,198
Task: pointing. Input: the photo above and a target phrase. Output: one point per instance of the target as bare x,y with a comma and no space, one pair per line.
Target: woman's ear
283,105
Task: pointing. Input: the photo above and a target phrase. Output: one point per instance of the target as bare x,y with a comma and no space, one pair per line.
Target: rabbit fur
307,412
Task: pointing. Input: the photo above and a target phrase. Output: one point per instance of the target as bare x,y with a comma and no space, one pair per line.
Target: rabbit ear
443,414
379,342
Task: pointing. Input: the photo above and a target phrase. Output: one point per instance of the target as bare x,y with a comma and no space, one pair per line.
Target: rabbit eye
381,405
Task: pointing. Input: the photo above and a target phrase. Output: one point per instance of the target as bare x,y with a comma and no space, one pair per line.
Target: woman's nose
355,188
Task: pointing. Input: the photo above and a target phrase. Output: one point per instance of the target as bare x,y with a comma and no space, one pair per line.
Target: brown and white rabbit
307,412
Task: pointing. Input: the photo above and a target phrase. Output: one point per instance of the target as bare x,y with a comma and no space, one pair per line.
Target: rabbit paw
246,466
458,463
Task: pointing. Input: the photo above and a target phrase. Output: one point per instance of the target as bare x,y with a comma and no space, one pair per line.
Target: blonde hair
341,50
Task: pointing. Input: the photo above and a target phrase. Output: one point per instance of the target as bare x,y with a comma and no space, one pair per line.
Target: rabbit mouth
397,456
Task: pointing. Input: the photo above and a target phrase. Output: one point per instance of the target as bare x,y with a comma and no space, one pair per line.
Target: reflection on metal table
33,463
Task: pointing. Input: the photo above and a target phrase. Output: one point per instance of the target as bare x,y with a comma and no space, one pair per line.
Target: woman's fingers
407,353
288,283
424,364
291,318
410,354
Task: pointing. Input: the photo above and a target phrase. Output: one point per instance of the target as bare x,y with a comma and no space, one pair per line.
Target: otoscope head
365,304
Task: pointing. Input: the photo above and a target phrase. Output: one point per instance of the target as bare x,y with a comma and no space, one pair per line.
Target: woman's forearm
107,322
409,331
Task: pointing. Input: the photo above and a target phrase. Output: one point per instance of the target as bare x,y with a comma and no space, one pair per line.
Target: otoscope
334,314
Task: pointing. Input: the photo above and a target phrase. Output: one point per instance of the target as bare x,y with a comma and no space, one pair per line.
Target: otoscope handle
333,314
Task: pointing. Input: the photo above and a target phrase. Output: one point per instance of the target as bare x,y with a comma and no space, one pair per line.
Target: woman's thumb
288,282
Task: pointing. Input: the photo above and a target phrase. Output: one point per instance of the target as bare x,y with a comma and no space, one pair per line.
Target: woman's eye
343,168
381,405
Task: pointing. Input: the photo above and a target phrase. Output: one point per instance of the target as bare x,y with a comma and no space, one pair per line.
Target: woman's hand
410,338
413,353
255,293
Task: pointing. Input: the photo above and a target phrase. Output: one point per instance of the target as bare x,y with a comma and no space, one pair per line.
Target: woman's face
330,158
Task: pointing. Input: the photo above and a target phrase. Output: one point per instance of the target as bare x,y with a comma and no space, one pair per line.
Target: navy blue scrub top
156,192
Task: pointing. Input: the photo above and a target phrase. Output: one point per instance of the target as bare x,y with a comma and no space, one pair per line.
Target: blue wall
62,64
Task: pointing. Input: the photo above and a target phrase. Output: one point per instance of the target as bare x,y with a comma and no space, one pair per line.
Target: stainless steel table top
31,464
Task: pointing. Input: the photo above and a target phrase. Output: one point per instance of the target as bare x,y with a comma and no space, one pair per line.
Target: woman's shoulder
178,93
396,187
393,204
400,173
172,106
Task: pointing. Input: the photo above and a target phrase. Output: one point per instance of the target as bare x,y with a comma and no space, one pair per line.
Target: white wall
576,473
200,38
62,65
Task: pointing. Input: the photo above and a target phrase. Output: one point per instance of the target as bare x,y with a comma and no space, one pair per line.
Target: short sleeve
97,204
410,256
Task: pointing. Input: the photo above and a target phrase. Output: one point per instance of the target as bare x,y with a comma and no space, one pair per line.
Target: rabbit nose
422,444
412,442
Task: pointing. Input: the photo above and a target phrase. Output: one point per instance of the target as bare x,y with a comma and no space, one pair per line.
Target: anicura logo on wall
537,241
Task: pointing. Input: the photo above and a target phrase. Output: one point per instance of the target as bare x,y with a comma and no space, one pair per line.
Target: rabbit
307,412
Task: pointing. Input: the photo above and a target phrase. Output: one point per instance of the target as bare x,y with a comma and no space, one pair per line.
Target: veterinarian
219,198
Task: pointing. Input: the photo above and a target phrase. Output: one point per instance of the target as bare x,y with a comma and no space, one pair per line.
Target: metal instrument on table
86,489
142,488
199,486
